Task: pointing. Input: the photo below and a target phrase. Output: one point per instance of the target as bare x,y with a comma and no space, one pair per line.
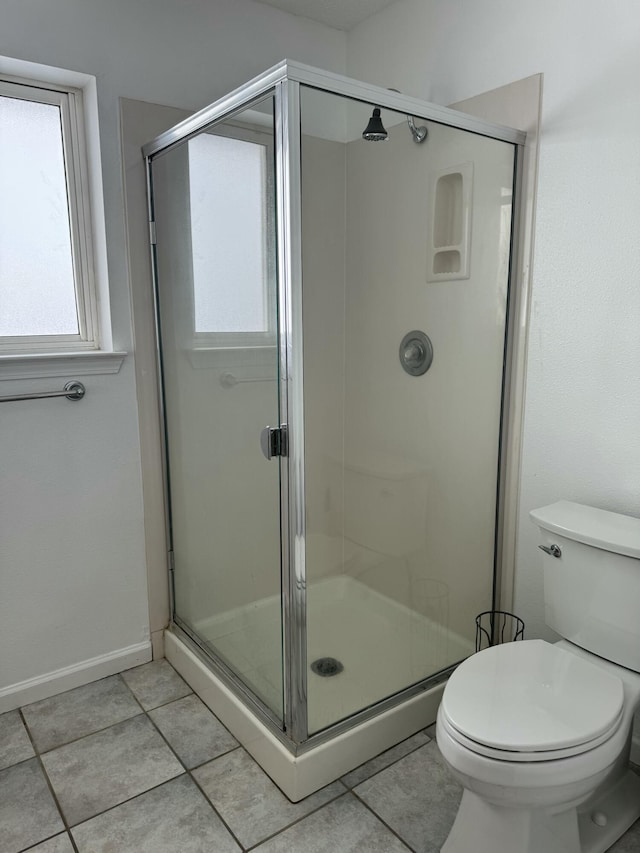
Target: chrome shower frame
283,81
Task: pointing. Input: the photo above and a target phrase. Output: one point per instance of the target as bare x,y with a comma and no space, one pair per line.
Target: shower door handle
273,441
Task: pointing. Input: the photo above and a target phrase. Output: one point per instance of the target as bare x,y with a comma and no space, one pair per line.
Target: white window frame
70,102
211,342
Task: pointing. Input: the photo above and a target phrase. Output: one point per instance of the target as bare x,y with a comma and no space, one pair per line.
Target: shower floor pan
383,647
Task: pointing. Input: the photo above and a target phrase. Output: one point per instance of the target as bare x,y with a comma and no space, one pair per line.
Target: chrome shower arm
419,133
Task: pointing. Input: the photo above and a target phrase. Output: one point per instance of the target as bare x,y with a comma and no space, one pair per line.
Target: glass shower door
214,208
402,238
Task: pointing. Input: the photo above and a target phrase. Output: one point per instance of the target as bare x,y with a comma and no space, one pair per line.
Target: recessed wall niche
450,234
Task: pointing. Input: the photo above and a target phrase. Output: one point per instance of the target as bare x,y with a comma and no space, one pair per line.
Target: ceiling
341,14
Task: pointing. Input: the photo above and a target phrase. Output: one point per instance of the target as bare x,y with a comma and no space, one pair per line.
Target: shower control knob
416,353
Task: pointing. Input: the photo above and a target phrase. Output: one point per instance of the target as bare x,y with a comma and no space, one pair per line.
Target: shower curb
298,776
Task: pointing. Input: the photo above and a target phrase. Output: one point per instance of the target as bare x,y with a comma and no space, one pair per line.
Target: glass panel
400,470
216,274
37,292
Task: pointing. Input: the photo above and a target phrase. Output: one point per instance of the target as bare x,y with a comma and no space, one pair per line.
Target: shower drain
326,667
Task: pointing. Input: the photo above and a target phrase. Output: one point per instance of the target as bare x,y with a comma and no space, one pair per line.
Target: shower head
374,131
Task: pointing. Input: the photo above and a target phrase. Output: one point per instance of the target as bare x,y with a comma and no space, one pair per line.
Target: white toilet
539,734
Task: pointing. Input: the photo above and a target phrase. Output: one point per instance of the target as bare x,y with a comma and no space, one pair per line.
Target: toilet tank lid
610,531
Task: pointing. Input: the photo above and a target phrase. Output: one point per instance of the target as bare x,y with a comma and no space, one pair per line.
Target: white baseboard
52,683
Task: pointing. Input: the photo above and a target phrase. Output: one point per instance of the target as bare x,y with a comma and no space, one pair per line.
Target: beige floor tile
417,797
155,684
249,802
15,745
76,713
192,731
28,813
375,765
343,826
105,769
173,817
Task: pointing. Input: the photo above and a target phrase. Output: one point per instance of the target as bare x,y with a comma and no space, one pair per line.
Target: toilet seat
521,755
531,701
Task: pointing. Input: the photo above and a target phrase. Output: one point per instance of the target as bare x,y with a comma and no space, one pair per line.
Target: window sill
44,365
248,356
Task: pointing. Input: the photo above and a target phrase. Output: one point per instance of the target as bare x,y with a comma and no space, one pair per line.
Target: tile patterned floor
135,763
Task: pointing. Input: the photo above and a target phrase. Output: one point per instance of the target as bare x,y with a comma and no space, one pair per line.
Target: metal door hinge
274,441
172,561
152,232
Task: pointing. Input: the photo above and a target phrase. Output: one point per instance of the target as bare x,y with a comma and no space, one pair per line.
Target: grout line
135,698
38,758
386,766
215,758
384,822
124,802
206,707
162,704
88,734
49,838
338,796
195,781
17,763
214,809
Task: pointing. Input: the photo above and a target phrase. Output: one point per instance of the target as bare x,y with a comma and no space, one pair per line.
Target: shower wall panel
445,423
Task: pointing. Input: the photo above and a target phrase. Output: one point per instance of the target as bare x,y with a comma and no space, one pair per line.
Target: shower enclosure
333,334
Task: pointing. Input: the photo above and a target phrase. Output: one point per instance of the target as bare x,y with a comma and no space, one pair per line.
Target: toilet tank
592,589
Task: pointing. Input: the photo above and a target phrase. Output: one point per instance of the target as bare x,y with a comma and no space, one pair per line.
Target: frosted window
228,197
37,290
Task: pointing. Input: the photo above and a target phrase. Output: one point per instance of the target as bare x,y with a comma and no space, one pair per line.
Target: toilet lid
531,696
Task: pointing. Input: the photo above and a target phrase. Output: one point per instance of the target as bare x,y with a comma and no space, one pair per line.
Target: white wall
71,514
581,437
